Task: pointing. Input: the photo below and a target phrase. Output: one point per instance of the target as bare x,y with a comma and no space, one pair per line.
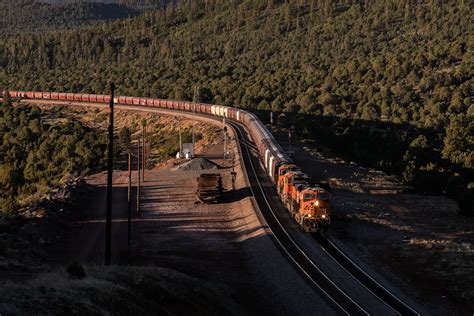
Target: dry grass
118,290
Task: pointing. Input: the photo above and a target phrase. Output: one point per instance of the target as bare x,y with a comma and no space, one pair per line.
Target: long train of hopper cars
308,203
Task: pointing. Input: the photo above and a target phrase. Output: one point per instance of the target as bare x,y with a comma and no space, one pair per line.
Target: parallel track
297,255
363,277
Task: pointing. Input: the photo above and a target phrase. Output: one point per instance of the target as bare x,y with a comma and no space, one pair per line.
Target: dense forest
26,16
402,69
35,155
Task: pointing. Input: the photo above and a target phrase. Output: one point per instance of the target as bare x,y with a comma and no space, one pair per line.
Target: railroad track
363,277
334,294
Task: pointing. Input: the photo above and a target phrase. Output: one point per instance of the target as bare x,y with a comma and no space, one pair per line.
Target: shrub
466,202
76,271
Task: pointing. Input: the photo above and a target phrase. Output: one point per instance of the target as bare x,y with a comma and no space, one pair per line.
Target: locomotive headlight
323,216
309,215
316,203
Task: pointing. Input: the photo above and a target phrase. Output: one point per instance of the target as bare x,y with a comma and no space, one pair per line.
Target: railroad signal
290,136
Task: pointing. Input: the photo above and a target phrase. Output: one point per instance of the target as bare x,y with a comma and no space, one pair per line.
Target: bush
466,202
3,248
9,206
76,271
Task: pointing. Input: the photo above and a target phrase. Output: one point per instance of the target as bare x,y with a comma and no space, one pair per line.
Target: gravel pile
197,164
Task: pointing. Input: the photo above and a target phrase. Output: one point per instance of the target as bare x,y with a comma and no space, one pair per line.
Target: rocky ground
419,242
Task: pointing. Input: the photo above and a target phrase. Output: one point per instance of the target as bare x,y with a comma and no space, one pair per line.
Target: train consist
308,203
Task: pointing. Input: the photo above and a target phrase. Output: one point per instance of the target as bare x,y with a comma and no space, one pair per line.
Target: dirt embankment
37,248
418,241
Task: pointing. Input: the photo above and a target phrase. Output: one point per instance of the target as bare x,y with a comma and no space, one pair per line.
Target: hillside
405,65
22,16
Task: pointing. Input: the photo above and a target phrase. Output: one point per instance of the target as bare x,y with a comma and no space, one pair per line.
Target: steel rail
279,232
366,280
385,295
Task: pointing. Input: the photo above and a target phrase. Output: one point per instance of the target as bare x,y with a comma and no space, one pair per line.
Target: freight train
308,203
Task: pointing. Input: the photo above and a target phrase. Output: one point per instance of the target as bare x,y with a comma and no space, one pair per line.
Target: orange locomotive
308,203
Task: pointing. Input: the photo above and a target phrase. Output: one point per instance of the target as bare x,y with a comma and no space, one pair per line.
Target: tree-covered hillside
35,154
395,61
27,16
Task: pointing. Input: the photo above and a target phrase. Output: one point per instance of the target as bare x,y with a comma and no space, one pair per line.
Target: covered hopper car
308,203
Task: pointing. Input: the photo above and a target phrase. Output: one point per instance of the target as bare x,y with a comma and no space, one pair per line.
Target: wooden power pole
129,200
138,176
143,148
108,216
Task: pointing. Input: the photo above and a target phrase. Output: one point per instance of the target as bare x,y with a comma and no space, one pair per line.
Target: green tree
459,141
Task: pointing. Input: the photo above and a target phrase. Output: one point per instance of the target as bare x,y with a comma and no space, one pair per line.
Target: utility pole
225,141
143,148
138,176
129,200
180,140
196,89
108,216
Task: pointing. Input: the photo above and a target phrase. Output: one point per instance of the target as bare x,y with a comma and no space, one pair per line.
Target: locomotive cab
314,211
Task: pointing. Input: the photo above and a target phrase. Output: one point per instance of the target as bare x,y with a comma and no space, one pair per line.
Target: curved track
334,294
